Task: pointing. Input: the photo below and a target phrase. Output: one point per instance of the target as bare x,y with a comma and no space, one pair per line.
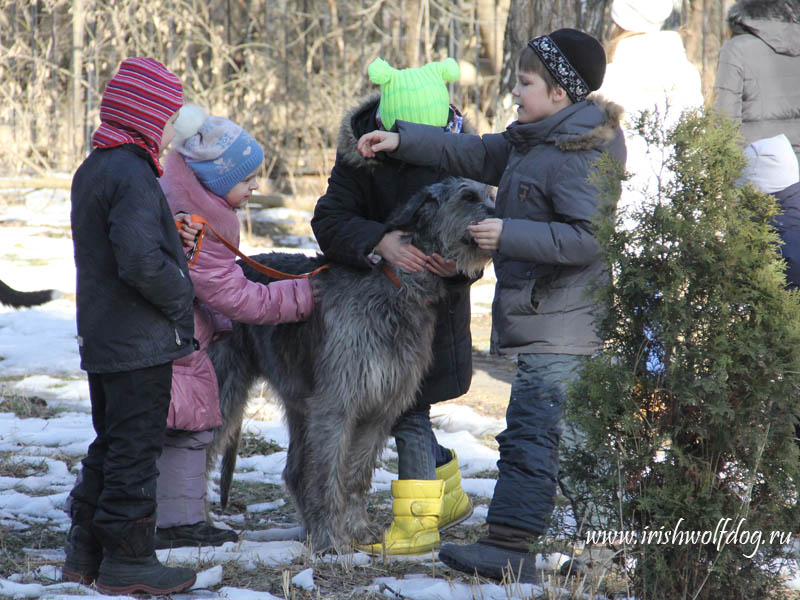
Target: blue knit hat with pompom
220,153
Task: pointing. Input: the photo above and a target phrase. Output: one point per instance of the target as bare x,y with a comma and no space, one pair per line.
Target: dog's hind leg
228,465
235,373
293,473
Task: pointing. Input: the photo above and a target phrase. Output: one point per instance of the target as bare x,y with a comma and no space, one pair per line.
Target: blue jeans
418,452
524,496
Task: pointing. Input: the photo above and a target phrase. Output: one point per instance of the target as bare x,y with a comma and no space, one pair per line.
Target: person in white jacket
648,70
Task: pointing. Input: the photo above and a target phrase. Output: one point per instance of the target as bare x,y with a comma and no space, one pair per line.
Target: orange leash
264,270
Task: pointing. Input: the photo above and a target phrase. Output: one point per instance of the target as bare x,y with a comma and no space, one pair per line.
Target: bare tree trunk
707,31
529,18
77,125
412,21
526,20
492,17
338,34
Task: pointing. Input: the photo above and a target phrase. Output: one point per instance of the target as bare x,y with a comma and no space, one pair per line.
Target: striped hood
136,105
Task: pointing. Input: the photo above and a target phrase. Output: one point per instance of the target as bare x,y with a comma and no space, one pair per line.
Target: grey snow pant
181,490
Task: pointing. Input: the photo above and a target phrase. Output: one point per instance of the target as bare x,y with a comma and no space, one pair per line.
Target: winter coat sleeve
221,284
569,238
482,158
729,83
344,234
138,242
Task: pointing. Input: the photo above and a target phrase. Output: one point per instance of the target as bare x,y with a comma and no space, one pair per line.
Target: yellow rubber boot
417,507
456,506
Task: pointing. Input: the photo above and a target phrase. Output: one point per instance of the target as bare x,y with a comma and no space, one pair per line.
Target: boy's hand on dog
487,233
400,253
189,230
378,141
443,267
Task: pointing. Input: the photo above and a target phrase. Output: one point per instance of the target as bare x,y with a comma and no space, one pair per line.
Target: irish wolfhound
347,374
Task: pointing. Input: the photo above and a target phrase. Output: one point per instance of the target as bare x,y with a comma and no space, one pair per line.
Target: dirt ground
492,374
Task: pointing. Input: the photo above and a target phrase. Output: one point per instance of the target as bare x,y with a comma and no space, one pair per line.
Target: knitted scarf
136,105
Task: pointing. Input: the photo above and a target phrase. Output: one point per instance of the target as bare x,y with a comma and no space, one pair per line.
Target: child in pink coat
211,172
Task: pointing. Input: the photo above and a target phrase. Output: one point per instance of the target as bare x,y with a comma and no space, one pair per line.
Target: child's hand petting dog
487,233
443,267
400,253
378,141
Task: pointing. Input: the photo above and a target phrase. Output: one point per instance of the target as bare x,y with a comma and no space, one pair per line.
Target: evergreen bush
689,409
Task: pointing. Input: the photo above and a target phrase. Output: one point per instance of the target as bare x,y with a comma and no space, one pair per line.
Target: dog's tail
228,466
11,297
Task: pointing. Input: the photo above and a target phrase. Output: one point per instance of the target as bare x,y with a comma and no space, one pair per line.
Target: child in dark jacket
211,172
134,316
350,225
546,259
773,168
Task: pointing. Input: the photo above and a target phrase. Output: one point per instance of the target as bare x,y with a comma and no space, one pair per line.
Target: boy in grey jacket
545,258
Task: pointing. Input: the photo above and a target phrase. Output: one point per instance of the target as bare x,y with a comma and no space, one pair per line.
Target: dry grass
26,407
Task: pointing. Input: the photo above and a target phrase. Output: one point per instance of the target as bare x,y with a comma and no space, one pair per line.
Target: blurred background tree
286,69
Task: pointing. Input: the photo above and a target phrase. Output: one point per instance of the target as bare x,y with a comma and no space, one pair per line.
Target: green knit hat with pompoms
417,95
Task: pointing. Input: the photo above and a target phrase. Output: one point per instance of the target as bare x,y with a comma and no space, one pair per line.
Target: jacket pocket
520,301
526,199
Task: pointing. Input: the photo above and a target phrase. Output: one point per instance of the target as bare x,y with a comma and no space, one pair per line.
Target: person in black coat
350,226
134,317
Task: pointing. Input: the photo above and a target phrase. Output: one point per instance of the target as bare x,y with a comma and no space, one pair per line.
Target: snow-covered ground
39,357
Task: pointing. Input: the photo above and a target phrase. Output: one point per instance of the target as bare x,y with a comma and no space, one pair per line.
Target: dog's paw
365,534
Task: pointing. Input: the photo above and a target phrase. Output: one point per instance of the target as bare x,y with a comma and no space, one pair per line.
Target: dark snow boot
83,549
503,554
132,567
490,562
196,534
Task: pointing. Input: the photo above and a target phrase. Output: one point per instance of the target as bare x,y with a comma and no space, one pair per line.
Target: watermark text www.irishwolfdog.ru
726,533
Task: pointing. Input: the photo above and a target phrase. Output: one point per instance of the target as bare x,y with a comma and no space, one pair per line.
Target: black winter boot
502,553
133,568
83,549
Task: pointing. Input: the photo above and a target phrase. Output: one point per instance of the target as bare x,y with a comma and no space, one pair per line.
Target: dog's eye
471,195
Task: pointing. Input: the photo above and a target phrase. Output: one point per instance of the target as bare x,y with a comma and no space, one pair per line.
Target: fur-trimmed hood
360,120
776,22
578,127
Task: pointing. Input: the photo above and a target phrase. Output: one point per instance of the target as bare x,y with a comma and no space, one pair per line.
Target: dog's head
438,216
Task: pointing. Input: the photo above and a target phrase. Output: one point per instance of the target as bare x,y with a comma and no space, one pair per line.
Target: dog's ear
405,218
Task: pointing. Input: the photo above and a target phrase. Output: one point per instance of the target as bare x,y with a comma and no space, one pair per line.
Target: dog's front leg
367,444
329,432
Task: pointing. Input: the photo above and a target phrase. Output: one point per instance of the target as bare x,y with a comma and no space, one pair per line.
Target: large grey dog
347,374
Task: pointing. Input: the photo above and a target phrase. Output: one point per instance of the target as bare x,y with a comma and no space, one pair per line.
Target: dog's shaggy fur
11,297
348,373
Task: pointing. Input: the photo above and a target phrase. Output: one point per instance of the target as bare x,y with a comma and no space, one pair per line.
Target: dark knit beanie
575,59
